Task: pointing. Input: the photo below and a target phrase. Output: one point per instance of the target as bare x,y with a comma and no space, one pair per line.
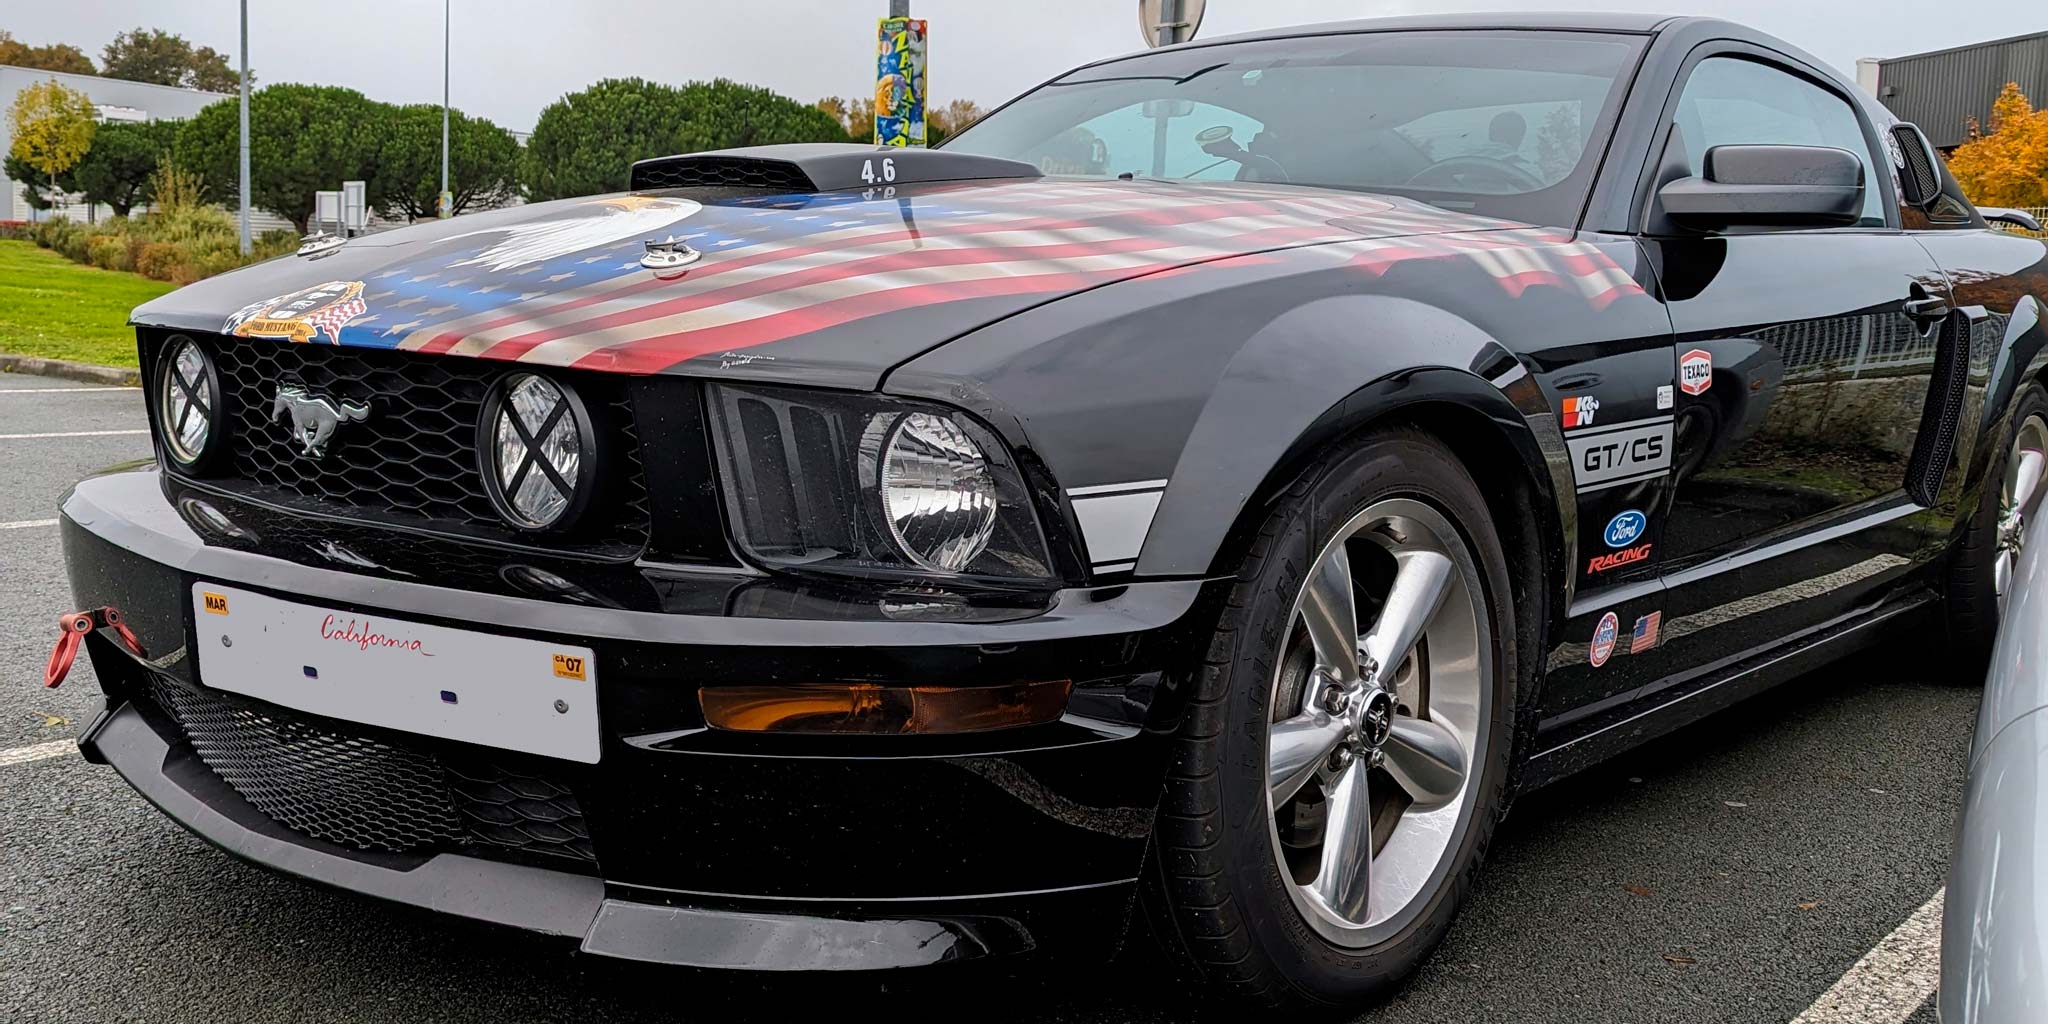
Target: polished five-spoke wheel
1344,757
2022,486
1378,704
1983,566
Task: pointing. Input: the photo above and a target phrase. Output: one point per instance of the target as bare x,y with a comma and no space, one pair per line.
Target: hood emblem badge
315,418
319,243
670,253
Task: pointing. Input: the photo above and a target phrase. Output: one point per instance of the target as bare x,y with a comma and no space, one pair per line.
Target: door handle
1931,307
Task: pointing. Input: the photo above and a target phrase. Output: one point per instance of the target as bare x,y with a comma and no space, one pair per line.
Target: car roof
1554,21
1574,21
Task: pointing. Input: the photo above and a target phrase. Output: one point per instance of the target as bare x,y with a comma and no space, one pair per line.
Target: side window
1729,101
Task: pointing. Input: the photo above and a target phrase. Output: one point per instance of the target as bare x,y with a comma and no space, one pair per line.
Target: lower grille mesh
313,777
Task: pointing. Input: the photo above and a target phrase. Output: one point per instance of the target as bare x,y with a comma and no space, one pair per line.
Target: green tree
53,57
587,141
483,161
302,139
52,128
722,114
124,154
39,191
161,58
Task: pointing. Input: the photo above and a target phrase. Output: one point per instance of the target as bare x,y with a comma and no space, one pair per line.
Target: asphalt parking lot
1734,872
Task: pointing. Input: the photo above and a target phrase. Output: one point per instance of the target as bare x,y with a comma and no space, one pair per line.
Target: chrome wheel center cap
1375,721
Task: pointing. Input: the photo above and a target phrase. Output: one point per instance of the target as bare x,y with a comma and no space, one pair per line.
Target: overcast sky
512,57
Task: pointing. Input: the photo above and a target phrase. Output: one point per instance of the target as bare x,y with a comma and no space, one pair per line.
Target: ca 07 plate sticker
1620,454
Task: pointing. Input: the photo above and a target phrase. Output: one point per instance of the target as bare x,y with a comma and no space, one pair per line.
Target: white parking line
57,391
1892,980
71,433
23,524
23,755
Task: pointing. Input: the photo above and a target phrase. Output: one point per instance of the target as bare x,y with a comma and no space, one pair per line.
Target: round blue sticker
1624,529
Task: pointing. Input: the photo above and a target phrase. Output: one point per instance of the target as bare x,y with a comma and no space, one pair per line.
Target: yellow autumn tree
52,127
2007,165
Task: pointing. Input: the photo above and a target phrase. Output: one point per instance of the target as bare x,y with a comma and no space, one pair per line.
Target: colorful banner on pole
899,82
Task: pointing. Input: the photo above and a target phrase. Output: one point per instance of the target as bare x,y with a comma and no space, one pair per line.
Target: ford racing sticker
1622,530
1620,454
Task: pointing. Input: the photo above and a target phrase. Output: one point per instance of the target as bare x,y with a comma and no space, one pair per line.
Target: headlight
937,494
822,480
537,447
187,402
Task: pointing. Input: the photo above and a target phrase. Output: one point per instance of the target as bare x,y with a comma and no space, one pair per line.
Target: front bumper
711,849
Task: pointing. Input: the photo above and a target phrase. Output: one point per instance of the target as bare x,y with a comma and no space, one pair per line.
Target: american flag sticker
1645,636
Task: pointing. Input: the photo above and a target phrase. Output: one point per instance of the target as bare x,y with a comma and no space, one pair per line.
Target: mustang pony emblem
315,417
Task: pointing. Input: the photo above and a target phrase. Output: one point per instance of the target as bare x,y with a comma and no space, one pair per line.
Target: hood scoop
820,167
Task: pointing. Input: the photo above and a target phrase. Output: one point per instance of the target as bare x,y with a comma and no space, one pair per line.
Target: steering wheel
1455,171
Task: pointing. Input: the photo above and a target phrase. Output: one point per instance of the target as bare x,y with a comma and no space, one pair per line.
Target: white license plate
497,691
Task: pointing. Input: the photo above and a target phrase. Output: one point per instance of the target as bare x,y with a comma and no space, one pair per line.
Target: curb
111,375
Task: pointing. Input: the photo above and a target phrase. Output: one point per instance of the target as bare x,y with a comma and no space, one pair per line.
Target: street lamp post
446,204
245,129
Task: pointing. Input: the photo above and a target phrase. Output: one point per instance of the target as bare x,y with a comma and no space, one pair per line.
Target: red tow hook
75,626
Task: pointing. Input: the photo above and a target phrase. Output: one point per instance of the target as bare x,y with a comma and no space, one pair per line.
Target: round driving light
538,454
187,402
938,495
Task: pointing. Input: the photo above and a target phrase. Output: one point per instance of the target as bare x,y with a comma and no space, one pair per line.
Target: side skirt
1680,707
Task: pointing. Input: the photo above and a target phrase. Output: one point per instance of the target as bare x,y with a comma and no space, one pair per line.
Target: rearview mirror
1769,186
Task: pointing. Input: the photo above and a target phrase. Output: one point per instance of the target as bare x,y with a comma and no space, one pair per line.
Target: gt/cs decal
1621,454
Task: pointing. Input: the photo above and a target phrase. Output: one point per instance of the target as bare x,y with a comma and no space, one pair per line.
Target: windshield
1500,123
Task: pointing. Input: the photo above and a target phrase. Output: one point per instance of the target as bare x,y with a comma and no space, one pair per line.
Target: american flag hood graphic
849,281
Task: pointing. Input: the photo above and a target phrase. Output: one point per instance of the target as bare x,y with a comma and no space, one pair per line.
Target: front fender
1168,407
1310,378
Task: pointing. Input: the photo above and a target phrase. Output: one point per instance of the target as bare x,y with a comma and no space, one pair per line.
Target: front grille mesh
319,778
413,459
414,455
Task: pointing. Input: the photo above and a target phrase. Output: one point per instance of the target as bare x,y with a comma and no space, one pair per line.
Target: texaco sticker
1696,371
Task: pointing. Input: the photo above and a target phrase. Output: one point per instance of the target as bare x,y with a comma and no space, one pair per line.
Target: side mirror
1769,186
2017,218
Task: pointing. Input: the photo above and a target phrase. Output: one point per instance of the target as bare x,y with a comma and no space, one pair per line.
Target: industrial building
1942,91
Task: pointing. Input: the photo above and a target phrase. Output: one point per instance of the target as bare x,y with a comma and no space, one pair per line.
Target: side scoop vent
820,167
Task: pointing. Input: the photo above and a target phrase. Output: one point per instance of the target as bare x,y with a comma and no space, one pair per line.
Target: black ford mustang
1199,496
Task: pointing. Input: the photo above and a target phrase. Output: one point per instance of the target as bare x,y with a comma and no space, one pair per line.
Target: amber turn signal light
875,709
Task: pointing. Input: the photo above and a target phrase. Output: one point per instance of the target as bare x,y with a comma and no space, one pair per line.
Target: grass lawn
52,307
